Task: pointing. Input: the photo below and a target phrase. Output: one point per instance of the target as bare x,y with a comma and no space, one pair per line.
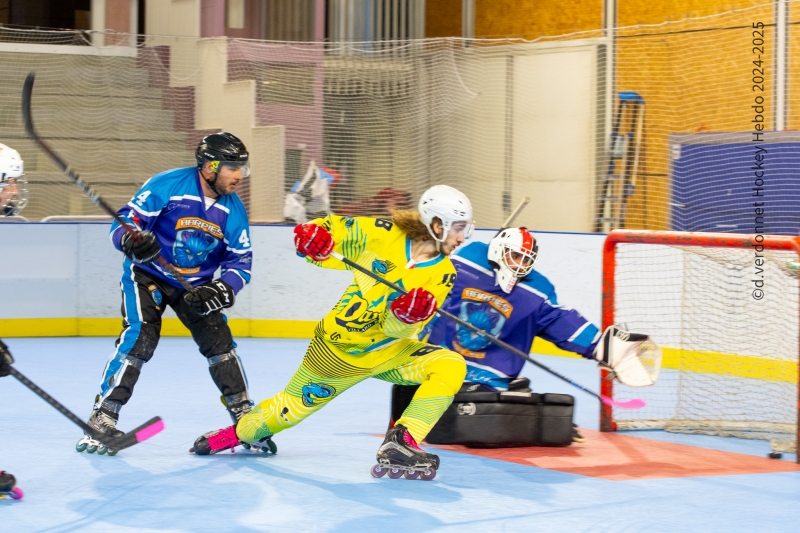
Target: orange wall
443,18
532,18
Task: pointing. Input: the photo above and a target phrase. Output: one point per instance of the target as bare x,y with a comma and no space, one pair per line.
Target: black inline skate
8,487
399,456
220,440
104,423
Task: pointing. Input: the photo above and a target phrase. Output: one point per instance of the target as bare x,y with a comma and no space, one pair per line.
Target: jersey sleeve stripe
143,212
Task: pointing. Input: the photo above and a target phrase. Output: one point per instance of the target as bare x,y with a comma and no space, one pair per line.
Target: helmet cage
512,240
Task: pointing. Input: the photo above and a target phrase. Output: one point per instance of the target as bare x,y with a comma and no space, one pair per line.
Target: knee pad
119,378
228,374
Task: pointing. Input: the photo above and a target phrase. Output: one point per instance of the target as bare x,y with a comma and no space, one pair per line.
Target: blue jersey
196,240
530,310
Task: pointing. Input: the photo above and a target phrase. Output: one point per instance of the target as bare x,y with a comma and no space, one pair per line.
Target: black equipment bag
479,418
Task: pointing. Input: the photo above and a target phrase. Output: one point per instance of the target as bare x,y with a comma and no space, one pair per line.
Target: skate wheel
378,471
270,447
81,446
395,473
16,493
411,474
112,453
428,474
91,449
102,450
246,446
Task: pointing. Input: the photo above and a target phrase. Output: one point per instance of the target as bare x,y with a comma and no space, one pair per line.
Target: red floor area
621,457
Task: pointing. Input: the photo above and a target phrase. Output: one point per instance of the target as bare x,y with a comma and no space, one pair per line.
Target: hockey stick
630,404
515,213
27,91
141,433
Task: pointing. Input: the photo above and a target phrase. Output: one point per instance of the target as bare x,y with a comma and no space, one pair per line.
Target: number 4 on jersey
243,239
142,197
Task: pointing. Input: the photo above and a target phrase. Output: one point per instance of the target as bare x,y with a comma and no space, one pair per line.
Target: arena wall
66,282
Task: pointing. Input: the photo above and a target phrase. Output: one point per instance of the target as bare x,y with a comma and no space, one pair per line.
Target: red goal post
708,248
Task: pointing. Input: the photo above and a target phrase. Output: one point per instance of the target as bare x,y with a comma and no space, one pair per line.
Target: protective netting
730,359
499,119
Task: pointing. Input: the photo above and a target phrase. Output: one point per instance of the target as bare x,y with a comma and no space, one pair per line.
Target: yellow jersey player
371,332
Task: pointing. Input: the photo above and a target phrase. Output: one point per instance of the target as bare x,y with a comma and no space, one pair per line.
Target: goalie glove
633,358
210,297
145,251
5,360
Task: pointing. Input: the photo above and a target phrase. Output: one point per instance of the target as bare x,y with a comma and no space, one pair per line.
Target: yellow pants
326,372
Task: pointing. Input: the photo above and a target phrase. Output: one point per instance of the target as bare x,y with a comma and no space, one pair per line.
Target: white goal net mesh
730,359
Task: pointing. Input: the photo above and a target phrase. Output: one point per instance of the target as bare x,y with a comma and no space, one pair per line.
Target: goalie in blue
498,291
194,220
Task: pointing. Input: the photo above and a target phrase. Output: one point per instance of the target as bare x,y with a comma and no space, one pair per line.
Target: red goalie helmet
512,253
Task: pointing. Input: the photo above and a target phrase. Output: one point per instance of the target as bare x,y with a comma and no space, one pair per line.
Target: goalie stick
27,91
515,213
141,433
630,404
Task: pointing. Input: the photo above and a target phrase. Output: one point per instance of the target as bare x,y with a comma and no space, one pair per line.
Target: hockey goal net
724,308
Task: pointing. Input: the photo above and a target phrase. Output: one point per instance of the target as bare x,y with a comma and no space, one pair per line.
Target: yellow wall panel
532,18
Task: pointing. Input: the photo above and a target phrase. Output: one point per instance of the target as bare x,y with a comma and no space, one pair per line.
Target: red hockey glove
416,306
313,240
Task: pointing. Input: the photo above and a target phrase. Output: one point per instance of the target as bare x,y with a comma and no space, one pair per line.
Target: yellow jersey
362,320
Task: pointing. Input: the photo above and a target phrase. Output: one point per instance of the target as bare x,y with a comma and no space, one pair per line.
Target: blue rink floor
319,480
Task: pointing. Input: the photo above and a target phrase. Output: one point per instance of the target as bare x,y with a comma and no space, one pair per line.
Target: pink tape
149,431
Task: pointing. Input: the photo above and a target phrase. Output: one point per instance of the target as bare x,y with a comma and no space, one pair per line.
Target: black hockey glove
209,297
143,252
5,360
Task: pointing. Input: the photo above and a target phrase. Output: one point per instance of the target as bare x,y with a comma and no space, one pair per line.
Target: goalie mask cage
730,364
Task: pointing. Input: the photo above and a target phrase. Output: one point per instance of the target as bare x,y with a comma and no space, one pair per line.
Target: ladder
624,153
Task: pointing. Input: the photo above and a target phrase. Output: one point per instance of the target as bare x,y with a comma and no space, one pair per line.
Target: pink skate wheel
16,493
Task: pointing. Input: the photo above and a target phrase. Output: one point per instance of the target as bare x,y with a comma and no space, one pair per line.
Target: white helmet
13,186
516,240
448,205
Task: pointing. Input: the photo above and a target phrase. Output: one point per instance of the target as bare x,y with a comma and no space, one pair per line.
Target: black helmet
223,147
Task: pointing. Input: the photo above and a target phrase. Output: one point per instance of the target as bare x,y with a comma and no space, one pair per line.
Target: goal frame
677,238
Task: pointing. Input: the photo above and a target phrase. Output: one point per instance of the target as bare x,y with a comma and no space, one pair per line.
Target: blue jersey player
498,291
193,219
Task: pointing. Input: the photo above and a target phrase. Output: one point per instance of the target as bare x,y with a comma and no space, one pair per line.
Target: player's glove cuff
210,297
144,251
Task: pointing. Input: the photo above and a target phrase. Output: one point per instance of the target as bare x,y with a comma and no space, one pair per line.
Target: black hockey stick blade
142,433
27,117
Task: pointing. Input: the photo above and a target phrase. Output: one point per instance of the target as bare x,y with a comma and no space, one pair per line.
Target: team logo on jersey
357,317
379,266
348,222
314,391
200,224
484,311
192,248
498,303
